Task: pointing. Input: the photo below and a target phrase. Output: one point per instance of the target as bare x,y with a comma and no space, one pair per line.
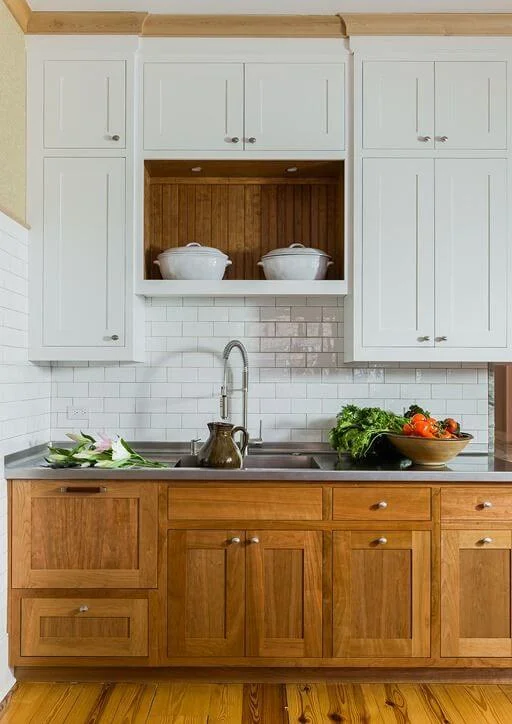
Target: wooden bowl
429,451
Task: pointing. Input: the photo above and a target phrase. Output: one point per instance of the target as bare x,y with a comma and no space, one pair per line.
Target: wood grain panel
85,23
283,571
468,504
233,502
363,504
20,11
52,627
428,23
246,216
244,26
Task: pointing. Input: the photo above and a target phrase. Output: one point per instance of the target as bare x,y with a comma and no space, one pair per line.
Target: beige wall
12,116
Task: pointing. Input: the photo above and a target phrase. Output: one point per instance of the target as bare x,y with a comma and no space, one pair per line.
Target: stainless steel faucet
245,381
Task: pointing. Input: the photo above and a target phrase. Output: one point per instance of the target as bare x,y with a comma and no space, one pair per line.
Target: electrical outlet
78,413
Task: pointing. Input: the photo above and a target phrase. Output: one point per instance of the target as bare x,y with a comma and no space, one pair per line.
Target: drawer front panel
381,503
84,627
248,503
476,504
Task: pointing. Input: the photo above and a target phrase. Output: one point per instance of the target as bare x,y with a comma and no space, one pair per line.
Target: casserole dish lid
295,250
195,248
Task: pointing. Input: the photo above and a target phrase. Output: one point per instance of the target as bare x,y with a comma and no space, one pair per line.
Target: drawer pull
485,540
381,505
236,539
381,541
99,489
486,504
83,608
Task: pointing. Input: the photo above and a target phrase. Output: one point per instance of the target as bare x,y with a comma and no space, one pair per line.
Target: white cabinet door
471,253
398,105
471,105
84,252
398,252
193,106
294,107
84,104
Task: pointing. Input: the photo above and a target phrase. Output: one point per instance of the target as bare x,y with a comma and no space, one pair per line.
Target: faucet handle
223,403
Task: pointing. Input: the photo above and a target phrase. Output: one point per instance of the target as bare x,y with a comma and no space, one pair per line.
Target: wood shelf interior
245,209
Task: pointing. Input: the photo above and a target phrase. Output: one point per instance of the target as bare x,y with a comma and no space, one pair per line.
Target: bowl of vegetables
427,441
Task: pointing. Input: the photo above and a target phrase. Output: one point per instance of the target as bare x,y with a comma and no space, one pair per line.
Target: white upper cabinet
398,111
471,253
398,252
193,106
471,105
294,106
83,261
443,105
84,104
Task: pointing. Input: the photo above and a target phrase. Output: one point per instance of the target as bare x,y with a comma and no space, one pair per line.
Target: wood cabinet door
84,627
84,534
398,105
476,592
84,104
294,107
471,252
206,593
193,106
398,252
381,596
284,593
83,302
471,105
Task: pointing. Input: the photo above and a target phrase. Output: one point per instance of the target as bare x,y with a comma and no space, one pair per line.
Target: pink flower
102,443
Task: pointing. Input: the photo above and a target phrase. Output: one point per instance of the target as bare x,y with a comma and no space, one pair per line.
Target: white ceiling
277,6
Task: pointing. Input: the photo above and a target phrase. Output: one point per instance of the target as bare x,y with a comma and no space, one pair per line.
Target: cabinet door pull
443,139
236,539
485,540
254,540
98,489
83,608
486,504
381,541
424,139
382,505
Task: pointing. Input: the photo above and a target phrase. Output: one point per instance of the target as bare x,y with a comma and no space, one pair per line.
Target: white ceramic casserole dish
192,261
295,262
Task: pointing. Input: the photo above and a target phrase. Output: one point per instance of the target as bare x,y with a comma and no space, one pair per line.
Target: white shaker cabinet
294,106
398,252
440,105
471,253
84,104
193,106
83,302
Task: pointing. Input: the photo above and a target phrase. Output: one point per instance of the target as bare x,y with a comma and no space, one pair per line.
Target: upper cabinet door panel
398,105
84,252
398,252
294,106
193,106
471,105
471,253
84,104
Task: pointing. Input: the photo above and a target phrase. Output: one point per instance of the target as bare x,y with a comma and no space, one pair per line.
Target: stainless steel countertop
466,468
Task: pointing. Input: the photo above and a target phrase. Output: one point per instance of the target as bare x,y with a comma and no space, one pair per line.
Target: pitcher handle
245,437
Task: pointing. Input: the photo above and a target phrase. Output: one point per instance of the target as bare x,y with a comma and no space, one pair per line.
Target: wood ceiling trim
428,23
85,23
244,26
20,11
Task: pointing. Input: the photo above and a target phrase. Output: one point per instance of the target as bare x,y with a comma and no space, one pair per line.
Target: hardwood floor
130,703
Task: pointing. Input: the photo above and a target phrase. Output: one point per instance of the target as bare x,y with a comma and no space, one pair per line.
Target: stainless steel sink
263,461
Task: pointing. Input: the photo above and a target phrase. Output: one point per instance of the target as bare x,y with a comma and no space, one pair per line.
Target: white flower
119,452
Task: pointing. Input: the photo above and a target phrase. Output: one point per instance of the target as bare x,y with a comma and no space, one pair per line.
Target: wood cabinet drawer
84,627
480,503
381,504
234,502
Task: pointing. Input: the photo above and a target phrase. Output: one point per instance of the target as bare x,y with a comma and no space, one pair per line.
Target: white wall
298,379
24,391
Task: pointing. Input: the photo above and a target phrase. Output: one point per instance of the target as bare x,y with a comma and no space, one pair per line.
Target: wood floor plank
181,703
226,703
467,703
128,704
34,703
264,704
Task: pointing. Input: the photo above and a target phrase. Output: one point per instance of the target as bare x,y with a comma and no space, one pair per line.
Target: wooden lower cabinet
476,593
256,593
381,593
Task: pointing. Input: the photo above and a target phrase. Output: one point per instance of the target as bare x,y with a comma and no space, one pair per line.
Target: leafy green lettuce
359,431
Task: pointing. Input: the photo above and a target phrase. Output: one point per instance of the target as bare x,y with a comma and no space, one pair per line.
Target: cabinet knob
442,139
83,608
425,338
486,540
115,337
441,339
235,139
381,541
252,139
115,137
382,504
236,539
486,504
254,540
424,139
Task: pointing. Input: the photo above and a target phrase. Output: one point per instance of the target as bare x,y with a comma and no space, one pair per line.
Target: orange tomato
408,429
418,417
423,428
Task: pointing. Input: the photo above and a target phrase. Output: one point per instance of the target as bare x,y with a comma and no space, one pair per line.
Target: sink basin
263,462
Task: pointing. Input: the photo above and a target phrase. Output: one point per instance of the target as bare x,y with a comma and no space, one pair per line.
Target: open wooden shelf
246,209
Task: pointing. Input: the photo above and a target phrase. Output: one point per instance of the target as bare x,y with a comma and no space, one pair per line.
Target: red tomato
451,425
408,429
418,417
423,429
